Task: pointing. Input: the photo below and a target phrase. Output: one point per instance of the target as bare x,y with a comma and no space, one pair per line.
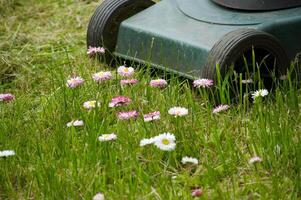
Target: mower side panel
166,38
288,31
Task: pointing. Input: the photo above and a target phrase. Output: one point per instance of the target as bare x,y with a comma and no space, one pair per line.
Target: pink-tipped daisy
125,71
7,97
255,159
119,101
95,50
220,108
129,82
178,111
160,83
197,192
152,116
102,76
205,83
75,82
128,115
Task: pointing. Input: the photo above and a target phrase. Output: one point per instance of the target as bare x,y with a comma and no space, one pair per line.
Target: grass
43,43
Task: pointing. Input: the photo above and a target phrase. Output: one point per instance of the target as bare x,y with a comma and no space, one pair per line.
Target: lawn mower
194,37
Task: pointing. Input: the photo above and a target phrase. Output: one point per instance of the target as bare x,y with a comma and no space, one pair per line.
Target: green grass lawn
42,44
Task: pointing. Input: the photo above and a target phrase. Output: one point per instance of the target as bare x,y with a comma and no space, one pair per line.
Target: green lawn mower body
190,37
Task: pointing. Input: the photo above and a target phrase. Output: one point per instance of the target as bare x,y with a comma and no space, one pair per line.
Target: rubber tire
229,49
104,23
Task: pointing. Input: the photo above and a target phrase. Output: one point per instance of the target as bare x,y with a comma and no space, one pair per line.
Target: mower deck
168,36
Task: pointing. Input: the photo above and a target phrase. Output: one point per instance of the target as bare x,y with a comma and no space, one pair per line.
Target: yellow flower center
165,141
100,73
91,103
126,69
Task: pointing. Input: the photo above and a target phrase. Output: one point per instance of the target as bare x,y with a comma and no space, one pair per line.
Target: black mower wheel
237,47
104,23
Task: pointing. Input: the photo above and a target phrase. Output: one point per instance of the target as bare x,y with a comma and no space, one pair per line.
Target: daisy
277,149
119,101
165,141
7,97
186,160
197,192
128,115
95,50
75,82
91,104
107,137
247,81
75,123
152,116
99,196
255,160
220,108
7,153
129,82
283,77
205,83
125,71
160,83
258,93
146,141
178,111
102,76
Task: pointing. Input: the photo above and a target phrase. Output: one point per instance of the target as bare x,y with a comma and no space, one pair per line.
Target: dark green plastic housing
177,35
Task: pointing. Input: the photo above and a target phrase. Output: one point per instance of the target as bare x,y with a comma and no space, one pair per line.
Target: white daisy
186,160
247,81
99,196
91,104
258,93
283,77
75,123
277,149
255,159
165,141
107,137
146,141
178,111
7,153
